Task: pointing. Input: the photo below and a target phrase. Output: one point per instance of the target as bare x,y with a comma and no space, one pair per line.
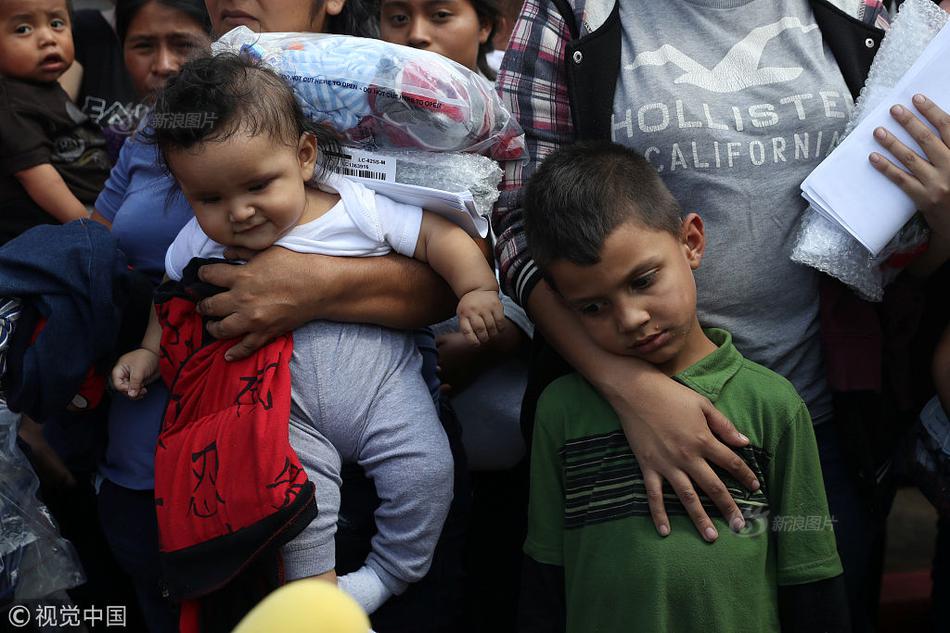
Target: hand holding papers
928,183
847,188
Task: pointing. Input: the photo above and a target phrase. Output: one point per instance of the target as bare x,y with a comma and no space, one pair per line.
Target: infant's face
36,42
246,191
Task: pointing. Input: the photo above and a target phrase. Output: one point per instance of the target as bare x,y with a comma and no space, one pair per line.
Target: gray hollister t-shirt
735,102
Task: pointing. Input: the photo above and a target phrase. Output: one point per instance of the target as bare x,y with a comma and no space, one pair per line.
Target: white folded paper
378,172
845,187
455,207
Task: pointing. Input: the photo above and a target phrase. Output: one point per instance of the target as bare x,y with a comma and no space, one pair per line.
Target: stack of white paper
455,207
847,189
378,172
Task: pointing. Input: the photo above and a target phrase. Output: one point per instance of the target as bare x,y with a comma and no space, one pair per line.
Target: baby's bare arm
450,252
457,258
48,190
136,369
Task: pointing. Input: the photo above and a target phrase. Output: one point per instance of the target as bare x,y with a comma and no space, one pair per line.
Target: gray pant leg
361,387
313,552
405,451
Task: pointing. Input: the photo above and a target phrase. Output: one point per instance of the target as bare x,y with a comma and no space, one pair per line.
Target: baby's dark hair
213,98
582,192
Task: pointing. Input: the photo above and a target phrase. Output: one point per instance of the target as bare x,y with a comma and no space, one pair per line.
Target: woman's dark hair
213,98
358,17
488,11
126,10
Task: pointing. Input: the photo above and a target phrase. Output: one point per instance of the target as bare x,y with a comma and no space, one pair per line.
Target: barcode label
357,163
362,173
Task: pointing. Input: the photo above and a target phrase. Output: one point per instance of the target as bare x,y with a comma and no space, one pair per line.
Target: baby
52,158
357,392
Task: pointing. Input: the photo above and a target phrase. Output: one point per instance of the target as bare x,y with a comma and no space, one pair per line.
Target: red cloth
224,459
229,489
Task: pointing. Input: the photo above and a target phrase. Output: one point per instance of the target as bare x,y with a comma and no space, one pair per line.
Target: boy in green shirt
610,240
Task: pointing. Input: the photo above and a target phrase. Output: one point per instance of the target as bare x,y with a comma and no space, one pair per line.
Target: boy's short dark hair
215,97
582,192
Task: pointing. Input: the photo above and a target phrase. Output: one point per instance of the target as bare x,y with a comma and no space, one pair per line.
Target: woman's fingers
684,489
935,115
911,160
709,481
654,487
723,456
934,144
721,426
907,182
925,179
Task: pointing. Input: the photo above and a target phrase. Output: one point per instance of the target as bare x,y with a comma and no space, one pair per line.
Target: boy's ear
307,155
694,239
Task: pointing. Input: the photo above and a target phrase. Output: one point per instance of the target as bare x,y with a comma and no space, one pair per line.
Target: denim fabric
75,277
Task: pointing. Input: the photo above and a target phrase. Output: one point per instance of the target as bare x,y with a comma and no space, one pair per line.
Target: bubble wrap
821,243
450,172
379,95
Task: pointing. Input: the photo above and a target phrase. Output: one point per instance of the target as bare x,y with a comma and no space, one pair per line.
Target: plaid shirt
533,86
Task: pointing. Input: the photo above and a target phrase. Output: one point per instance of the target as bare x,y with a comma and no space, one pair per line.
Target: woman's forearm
279,290
562,329
393,291
98,217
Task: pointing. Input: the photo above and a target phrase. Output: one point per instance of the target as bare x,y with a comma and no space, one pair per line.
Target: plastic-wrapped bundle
381,95
821,243
452,172
35,561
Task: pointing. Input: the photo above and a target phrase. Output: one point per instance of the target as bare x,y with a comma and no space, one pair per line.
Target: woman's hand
674,432
279,290
671,431
928,183
267,297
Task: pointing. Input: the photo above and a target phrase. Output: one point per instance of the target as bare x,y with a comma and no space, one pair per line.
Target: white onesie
362,224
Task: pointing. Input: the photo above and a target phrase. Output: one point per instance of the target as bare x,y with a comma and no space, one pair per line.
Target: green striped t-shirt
588,510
